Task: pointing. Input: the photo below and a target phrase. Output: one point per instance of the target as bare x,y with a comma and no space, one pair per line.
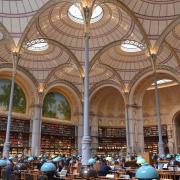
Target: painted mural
56,106
19,100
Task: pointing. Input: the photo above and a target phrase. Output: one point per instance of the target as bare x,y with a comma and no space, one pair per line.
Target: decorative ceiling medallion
37,45
75,15
1,36
132,46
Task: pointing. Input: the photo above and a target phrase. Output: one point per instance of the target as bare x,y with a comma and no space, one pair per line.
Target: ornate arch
141,76
65,85
26,81
106,83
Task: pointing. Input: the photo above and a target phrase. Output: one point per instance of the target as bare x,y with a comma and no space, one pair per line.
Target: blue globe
48,167
3,162
146,172
57,159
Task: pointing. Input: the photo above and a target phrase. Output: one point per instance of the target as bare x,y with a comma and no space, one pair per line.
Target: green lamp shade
48,167
109,159
147,172
168,156
91,161
57,159
3,162
140,160
30,158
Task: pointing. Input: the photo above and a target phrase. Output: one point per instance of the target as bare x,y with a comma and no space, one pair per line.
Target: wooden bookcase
57,139
111,140
19,135
114,139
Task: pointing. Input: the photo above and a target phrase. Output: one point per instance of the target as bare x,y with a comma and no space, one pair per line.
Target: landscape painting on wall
56,106
19,100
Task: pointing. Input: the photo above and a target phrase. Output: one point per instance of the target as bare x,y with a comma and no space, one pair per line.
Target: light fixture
75,14
132,46
37,45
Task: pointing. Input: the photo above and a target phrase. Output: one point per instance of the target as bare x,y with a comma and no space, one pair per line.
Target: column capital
16,56
37,105
133,106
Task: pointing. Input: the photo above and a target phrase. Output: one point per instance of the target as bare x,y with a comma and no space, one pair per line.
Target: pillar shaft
160,143
134,131
7,139
86,136
36,131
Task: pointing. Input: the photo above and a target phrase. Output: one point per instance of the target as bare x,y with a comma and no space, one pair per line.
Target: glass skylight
163,81
132,46
37,45
75,14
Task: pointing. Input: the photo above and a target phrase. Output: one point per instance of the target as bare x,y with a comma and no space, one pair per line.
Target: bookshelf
57,139
114,139
111,140
151,138
19,135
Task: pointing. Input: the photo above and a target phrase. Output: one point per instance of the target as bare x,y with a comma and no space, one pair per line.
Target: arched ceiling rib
154,15
139,20
15,14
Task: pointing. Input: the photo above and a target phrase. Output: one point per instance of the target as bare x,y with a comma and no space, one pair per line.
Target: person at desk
104,169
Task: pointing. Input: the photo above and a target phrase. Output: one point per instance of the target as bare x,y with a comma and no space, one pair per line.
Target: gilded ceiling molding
132,15
164,34
105,83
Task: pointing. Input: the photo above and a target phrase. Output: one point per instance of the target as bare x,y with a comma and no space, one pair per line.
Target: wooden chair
165,175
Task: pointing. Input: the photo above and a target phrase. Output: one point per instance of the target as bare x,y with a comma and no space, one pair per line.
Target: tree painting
19,100
56,106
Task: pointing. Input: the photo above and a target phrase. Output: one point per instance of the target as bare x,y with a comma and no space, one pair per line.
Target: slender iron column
6,148
160,143
128,144
86,140
86,136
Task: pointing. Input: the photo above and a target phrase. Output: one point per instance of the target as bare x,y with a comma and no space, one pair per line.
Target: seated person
104,168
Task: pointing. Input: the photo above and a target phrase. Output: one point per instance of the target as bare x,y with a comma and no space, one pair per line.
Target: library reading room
90,89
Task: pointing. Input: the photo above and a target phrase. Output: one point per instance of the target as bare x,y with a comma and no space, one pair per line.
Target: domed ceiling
148,22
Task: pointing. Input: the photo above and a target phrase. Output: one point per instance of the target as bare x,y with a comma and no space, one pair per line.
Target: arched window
56,106
19,100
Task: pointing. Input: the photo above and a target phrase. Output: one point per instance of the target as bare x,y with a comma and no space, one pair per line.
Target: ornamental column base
86,142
